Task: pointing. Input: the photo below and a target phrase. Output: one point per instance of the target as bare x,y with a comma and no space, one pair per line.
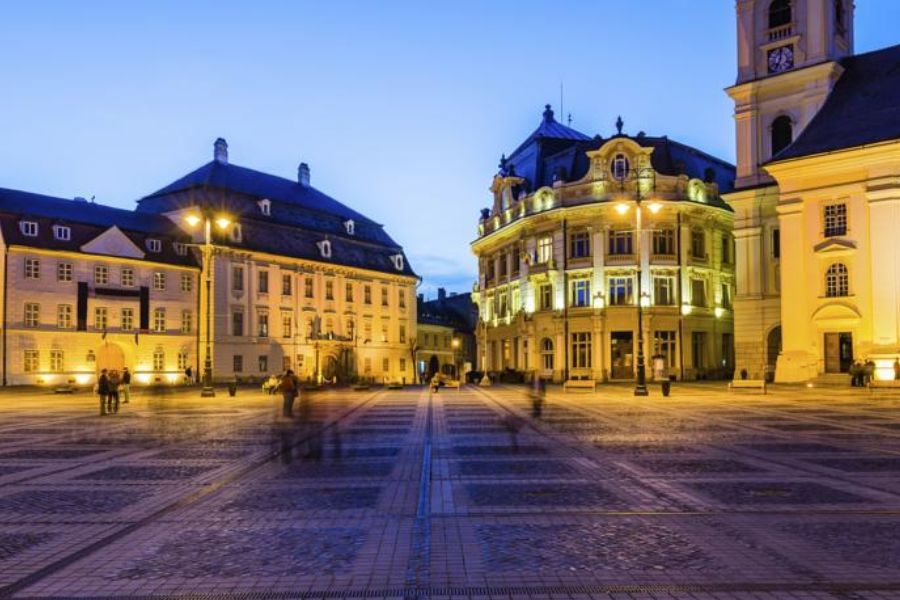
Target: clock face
781,59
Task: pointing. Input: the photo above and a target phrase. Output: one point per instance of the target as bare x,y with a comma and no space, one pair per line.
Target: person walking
897,368
189,375
103,391
288,386
869,370
126,386
113,391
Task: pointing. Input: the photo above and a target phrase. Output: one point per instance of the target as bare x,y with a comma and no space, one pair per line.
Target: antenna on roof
92,199
569,119
561,105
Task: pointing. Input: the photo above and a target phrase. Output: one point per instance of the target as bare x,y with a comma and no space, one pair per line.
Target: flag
103,335
136,337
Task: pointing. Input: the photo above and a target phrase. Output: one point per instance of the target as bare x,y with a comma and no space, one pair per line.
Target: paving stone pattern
397,494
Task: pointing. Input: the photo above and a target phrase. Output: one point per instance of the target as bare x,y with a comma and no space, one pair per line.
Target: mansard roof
86,221
863,108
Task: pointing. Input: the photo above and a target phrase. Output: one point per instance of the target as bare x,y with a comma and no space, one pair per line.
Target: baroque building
288,277
587,236
817,197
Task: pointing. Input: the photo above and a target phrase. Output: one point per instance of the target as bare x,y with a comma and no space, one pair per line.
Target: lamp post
455,345
222,222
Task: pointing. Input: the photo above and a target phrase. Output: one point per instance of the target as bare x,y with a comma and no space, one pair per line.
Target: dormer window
235,234
29,228
324,248
620,167
350,227
180,249
397,259
265,206
62,232
154,246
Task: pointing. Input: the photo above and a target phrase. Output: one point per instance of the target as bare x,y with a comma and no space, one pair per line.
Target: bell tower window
782,134
779,13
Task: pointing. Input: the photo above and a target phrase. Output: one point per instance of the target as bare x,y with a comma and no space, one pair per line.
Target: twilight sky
402,109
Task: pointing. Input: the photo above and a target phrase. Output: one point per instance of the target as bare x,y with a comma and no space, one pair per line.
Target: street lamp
222,222
455,345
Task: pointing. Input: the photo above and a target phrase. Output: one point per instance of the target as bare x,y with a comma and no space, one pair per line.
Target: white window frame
159,320
62,232
29,228
154,245
101,274
159,281
64,271
32,268
126,277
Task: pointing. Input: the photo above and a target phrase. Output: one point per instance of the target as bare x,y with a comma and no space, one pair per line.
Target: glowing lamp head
621,208
719,312
192,220
686,309
654,207
645,300
223,222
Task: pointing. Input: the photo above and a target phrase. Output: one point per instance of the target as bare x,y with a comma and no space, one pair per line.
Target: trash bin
666,387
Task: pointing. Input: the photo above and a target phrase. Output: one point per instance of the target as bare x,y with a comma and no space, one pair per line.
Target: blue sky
402,109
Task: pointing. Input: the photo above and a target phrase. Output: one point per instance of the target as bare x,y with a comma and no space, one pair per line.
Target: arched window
547,354
782,134
837,281
620,167
779,13
839,16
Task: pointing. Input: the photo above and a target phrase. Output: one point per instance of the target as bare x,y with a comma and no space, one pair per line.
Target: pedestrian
537,398
897,368
113,405
126,386
103,390
288,386
869,370
856,374
189,375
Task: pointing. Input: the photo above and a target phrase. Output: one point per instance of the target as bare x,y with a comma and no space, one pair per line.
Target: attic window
235,234
350,227
154,245
29,228
62,232
265,206
620,167
398,261
325,248
180,249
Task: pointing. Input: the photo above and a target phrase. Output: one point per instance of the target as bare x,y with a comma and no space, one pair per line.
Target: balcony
663,259
620,259
781,32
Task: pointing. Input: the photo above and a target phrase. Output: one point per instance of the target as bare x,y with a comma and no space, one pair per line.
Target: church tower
789,54
787,64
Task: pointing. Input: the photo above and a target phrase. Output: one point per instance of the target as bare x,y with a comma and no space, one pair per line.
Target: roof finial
619,124
502,164
548,113
220,151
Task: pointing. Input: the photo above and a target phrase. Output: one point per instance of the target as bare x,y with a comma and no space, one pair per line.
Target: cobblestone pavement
704,495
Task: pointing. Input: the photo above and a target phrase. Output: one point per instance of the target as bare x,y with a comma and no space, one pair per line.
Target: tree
413,354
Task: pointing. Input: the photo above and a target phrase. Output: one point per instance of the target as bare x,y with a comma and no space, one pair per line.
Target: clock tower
787,64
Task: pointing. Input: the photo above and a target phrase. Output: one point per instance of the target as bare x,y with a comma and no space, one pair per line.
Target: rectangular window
127,315
367,365
726,249
502,303
187,282
64,271
29,228
367,294
101,275
403,365
621,291
664,346
698,244
287,325
835,216
32,314
159,281
237,278
57,361
237,323
187,321
698,349
308,287
285,363
237,363
159,320
698,292
64,316
30,361
32,268
581,293
287,283
545,296
329,289
263,363
663,242
386,365
183,360
127,277
580,244
544,249
263,282
348,292
664,290
384,296
621,243
367,331
581,350
726,296
402,334
101,318
263,324
776,243
502,261
384,332
401,298
159,360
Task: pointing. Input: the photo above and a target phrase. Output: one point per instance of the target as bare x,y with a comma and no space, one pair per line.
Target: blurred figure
126,385
513,424
289,387
538,392
113,403
103,391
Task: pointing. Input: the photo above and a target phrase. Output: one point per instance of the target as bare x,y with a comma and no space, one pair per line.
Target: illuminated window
837,281
57,359
101,318
664,290
581,350
159,281
127,316
159,359
545,249
664,345
64,271
621,243
127,277
64,316
547,354
159,320
30,361
545,296
835,220
32,268
262,324
101,275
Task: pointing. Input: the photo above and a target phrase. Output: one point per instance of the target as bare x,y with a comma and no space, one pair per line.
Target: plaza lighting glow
645,300
654,207
686,309
884,369
598,301
82,378
223,222
142,377
172,377
621,208
192,220
719,312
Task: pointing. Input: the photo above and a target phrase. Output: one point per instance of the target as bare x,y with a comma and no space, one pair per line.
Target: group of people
862,373
109,384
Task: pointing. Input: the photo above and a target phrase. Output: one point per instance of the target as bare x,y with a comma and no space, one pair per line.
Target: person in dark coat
103,391
897,368
126,385
113,404
289,387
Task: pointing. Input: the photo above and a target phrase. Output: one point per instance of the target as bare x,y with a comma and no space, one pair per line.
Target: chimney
420,297
442,294
220,151
303,174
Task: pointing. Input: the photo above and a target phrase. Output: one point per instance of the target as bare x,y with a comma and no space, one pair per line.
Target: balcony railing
620,259
781,32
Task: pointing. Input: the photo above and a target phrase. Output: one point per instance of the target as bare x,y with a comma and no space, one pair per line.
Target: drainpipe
5,292
680,300
565,265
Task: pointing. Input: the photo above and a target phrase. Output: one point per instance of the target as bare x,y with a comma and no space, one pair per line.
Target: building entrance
621,354
838,352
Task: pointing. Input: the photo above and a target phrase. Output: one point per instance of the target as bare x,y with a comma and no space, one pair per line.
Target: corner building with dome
585,232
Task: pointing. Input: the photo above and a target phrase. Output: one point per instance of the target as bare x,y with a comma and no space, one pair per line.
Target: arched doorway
773,349
433,365
110,356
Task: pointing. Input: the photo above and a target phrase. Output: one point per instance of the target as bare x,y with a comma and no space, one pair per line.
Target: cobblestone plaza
403,494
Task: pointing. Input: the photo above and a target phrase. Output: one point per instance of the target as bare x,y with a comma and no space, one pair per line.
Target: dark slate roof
863,108
87,220
457,311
